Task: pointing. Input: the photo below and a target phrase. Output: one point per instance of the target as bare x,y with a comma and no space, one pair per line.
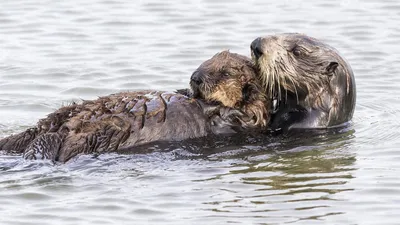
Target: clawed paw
235,116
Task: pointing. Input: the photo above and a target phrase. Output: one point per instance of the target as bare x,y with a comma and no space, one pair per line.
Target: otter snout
195,81
196,78
256,48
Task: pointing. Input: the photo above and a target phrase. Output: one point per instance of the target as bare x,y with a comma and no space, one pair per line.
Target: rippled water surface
55,52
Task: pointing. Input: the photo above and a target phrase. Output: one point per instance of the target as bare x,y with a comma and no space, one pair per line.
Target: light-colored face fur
223,78
293,63
231,80
228,92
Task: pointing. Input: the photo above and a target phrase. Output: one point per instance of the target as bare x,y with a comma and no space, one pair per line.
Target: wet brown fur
232,80
122,121
310,71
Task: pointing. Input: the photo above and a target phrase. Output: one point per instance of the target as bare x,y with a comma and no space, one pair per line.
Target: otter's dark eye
225,74
296,51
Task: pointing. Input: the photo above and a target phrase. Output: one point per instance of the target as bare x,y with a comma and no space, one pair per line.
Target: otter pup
123,121
244,92
311,84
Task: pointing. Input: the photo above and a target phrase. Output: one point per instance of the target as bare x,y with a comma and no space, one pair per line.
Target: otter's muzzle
195,82
196,78
256,48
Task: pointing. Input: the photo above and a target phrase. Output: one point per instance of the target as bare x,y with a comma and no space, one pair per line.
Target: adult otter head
302,71
231,80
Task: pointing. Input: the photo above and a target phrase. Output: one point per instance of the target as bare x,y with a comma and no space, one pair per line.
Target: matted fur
313,72
123,121
231,79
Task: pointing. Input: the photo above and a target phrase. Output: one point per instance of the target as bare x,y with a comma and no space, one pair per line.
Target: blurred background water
55,52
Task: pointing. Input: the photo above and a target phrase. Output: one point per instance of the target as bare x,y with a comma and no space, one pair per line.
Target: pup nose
196,78
256,48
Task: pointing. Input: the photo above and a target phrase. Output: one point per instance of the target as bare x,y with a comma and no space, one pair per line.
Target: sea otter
225,99
311,85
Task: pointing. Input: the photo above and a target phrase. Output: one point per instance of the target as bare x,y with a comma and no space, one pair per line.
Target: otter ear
331,67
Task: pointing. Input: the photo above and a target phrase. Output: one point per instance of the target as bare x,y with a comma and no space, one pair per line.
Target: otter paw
235,116
230,113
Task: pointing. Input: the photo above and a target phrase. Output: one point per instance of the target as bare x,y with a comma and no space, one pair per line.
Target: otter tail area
17,143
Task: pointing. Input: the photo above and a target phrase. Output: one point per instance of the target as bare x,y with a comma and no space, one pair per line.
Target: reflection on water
280,180
289,187
56,52
286,183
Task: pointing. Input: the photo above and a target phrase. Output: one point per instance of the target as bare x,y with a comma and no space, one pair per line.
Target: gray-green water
54,52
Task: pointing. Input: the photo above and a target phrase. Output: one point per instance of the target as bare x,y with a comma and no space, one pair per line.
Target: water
55,52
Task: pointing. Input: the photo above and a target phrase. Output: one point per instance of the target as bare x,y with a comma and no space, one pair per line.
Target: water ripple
56,52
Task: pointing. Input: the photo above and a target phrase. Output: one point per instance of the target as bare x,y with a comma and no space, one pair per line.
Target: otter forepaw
236,117
229,113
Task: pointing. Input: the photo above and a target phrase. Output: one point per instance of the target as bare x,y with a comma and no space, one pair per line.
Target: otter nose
196,78
256,48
